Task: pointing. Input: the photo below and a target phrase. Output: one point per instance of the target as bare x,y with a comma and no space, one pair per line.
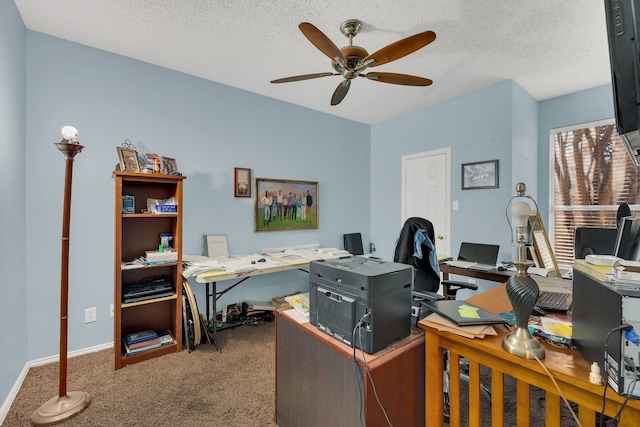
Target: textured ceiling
548,47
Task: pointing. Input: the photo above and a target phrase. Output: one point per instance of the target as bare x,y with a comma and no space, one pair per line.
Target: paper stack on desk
438,322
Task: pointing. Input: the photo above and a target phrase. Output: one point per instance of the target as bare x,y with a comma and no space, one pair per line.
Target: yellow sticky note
468,312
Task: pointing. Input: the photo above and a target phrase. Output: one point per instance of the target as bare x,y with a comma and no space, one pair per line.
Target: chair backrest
426,278
353,243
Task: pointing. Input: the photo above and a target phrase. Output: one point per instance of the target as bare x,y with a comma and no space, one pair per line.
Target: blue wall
210,128
13,302
477,127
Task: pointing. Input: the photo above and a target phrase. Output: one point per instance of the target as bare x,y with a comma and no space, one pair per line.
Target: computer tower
598,309
345,292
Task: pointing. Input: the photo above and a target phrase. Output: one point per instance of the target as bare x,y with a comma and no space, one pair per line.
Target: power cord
368,371
629,365
624,327
566,402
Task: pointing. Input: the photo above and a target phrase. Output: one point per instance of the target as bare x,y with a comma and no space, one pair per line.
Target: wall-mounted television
622,17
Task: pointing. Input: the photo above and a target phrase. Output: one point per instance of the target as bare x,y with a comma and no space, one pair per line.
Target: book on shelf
300,302
150,343
140,336
139,347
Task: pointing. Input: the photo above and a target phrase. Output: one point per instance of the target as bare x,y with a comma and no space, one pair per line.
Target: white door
426,183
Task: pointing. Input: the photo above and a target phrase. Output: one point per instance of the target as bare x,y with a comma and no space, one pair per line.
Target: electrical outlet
111,310
90,315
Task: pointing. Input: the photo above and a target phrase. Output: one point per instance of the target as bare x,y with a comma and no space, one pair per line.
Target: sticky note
468,312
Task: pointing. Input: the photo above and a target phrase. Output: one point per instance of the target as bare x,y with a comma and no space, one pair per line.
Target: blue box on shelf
128,204
167,208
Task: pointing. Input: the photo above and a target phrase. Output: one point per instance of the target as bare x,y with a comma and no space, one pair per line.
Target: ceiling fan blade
399,49
303,77
340,92
399,79
322,42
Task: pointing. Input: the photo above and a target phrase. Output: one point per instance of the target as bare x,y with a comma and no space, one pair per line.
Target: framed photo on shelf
479,175
169,165
242,182
282,204
128,159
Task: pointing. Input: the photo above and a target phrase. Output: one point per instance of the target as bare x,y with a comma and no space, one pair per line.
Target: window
592,174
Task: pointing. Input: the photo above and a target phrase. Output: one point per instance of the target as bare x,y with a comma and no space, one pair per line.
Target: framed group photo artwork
282,204
241,182
479,175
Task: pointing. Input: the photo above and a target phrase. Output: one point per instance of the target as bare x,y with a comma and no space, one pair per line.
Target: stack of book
300,302
138,342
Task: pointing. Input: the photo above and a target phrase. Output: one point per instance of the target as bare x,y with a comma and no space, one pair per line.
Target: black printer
369,292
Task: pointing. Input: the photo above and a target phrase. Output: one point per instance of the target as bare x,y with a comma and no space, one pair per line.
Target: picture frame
128,159
294,215
169,166
480,175
242,182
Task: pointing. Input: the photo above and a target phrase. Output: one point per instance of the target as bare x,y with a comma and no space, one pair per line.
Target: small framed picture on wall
242,182
479,175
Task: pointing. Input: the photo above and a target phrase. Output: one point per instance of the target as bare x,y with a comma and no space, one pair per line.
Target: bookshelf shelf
136,233
149,301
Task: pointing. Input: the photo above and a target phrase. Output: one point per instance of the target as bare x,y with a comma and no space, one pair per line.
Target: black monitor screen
353,243
628,239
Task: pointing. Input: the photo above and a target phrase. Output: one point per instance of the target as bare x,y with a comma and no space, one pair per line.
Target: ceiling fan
352,61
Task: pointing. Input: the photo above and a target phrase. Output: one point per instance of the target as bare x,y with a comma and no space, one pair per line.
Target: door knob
440,237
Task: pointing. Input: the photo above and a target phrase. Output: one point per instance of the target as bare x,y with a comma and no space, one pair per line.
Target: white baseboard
39,362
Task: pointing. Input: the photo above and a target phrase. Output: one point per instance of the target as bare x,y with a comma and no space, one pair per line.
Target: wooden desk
316,379
494,276
211,278
569,368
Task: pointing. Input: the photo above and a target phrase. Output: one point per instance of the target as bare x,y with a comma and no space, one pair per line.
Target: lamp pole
66,404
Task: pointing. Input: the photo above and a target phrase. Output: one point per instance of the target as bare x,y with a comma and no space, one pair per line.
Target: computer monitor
628,239
353,243
593,241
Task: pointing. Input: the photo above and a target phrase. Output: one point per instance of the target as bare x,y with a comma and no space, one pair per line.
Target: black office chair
416,247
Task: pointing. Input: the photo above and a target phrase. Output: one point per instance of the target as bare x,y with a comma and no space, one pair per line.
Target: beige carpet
204,387
201,388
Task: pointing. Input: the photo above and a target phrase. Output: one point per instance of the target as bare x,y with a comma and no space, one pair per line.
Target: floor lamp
66,404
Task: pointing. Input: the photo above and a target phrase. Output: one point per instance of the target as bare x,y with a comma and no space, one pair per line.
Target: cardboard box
627,270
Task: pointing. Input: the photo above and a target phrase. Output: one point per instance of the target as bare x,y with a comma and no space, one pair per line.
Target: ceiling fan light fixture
350,61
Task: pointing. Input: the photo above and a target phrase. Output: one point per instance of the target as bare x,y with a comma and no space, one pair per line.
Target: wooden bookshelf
136,233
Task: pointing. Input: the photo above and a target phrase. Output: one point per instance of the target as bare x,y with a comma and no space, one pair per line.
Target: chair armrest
451,288
426,296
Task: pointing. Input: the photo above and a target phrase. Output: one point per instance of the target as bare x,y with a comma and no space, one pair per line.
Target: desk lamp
522,290
66,404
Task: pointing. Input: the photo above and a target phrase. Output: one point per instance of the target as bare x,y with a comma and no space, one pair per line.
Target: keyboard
461,264
554,301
